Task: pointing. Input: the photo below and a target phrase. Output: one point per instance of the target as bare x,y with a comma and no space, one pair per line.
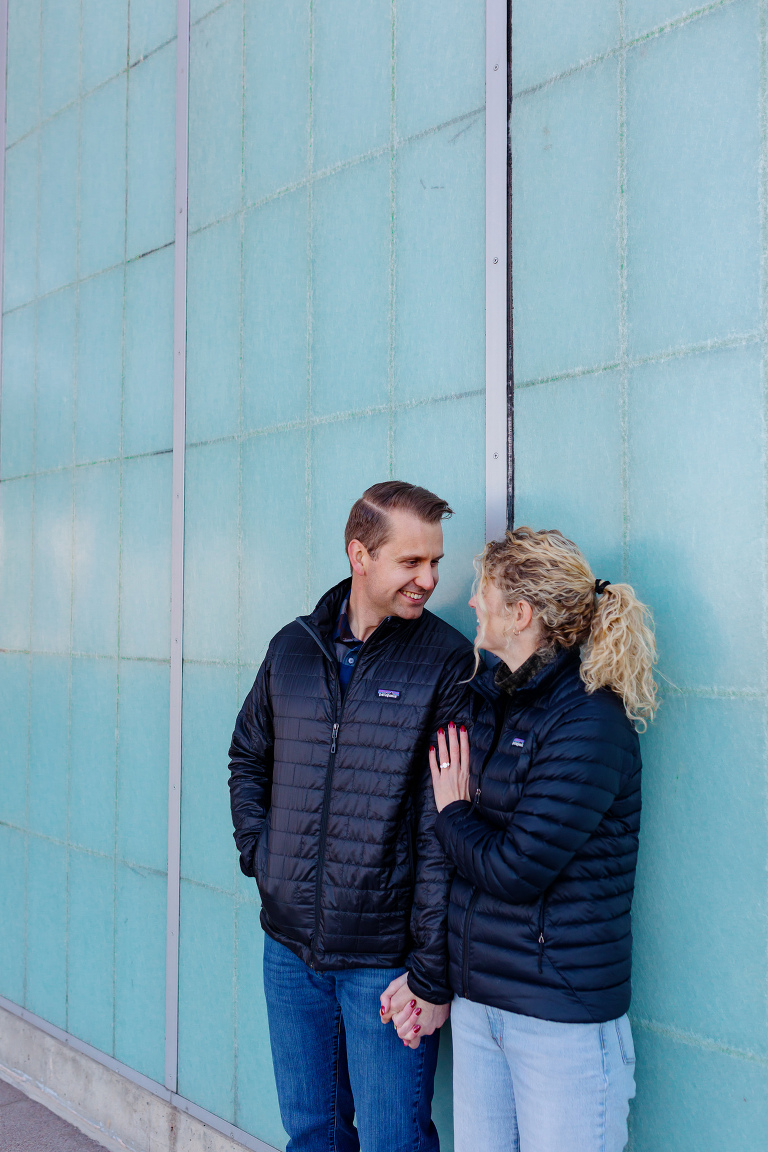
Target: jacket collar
322,621
485,683
326,611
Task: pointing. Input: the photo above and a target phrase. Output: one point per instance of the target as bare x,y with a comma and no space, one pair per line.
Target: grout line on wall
741,340
334,169
86,850
211,11
33,520
623,338
241,347
75,367
91,464
651,34
763,114
392,241
3,103
333,418
310,288
84,94
62,288
86,655
181,171
694,1040
119,655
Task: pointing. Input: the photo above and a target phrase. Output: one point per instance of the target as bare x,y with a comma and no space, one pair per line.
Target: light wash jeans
527,1085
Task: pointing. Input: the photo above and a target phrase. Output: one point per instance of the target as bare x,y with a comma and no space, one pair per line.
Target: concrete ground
26,1126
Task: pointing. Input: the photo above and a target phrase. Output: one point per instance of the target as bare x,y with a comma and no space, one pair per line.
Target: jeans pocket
626,1043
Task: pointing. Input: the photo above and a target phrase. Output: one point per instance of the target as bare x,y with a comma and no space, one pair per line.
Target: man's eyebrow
401,559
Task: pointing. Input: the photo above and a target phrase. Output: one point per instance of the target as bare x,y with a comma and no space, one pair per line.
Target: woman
541,822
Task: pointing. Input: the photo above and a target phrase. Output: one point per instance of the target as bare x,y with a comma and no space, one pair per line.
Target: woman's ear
523,615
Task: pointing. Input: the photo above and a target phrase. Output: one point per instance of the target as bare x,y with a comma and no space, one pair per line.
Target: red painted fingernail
431,747
412,1004
451,724
441,732
463,728
382,1009
417,1012
417,1027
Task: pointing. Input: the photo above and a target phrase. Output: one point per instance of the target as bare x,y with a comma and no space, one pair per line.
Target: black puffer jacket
539,921
332,802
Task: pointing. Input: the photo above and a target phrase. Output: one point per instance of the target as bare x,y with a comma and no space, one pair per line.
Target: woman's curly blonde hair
614,629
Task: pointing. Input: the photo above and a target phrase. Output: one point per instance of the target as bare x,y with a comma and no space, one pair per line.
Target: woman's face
494,623
511,633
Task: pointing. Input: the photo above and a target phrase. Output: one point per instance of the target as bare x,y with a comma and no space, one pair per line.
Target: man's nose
426,578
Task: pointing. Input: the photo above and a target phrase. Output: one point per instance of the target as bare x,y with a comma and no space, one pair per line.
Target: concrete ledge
99,1101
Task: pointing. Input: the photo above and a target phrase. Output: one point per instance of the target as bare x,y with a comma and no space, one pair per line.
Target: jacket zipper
496,737
337,715
476,894
541,931
324,819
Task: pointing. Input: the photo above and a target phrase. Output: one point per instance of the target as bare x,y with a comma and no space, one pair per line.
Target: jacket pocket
262,853
540,940
411,849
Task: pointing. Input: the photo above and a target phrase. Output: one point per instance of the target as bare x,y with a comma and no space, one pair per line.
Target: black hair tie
601,585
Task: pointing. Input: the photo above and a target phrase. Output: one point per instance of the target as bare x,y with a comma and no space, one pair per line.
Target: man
333,812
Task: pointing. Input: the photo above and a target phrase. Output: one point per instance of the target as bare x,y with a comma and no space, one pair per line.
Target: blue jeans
527,1085
335,1062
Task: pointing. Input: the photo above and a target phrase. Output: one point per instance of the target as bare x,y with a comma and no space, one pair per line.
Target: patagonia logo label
389,693
518,742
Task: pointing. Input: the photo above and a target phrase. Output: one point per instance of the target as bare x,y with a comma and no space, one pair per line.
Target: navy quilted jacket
332,801
539,919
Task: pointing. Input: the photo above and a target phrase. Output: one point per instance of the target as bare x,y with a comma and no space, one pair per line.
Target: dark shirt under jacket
347,647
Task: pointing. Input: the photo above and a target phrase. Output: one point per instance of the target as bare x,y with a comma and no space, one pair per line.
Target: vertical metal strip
3,103
177,547
496,137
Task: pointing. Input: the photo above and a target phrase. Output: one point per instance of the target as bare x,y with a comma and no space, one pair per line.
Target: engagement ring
444,766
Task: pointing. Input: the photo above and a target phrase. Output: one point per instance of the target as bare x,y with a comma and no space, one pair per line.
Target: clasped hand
411,1016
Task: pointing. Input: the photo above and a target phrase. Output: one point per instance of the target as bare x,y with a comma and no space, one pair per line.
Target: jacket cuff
444,817
428,992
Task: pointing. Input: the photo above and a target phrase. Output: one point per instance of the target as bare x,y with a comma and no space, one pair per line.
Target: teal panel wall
336,336
85,491
639,235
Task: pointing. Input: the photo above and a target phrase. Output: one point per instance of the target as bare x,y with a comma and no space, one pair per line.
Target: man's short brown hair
368,520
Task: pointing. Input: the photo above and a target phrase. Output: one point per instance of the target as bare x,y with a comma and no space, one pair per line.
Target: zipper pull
541,951
333,737
476,800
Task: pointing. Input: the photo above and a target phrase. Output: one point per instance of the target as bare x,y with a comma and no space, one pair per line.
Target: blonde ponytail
611,626
620,652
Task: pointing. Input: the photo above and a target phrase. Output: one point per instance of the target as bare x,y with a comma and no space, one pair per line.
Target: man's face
402,576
